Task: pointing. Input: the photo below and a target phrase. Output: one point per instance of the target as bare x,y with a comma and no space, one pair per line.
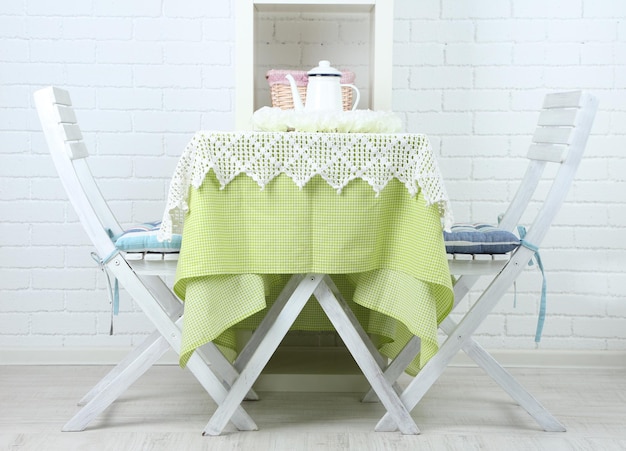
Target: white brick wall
145,75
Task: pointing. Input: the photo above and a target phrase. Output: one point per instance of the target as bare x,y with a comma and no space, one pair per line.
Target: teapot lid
324,69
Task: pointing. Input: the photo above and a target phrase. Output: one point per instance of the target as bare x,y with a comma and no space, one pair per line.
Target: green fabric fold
385,253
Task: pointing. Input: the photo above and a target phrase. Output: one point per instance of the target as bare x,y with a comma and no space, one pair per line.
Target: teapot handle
358,95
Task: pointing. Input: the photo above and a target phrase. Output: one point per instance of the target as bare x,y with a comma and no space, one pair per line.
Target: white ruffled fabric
337,157
270,119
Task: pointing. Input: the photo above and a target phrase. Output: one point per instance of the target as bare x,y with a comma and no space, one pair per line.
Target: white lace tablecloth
336,157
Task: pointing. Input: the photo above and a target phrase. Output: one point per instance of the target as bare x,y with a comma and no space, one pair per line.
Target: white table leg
393,370
273,329
223,367
268,321
397,366
362,349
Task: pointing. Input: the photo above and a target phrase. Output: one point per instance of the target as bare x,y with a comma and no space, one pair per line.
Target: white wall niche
293,34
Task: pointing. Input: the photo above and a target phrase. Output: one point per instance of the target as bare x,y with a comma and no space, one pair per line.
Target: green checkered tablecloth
384,251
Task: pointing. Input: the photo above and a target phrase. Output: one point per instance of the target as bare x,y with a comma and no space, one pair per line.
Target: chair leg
172,305
113,376
421,383
140,292
134,366
363,351
412,348
508,383
117,381
418,387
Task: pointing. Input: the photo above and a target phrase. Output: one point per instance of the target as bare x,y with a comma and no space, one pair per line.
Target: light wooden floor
167,410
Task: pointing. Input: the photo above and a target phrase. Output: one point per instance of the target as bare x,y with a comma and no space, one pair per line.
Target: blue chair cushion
143,238
479,239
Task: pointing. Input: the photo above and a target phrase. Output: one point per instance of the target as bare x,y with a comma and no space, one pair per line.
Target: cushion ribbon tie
113,292
542,305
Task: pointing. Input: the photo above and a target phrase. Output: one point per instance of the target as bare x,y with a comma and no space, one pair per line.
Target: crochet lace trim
336,157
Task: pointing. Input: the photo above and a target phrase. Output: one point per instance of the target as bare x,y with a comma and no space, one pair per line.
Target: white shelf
380,44
329,6
260,3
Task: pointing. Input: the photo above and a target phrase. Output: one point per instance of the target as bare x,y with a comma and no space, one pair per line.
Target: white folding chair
124,257
560,138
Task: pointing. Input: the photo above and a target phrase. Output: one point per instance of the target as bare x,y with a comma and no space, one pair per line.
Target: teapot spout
297,101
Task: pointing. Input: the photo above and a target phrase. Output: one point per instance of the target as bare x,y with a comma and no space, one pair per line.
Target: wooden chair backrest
69,154
560,138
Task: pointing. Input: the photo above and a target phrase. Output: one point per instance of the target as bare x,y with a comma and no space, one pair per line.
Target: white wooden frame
561,137
381,37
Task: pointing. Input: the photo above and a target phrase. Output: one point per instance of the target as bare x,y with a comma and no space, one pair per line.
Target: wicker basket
280,90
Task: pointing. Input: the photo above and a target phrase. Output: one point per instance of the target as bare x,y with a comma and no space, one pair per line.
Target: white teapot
323,92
